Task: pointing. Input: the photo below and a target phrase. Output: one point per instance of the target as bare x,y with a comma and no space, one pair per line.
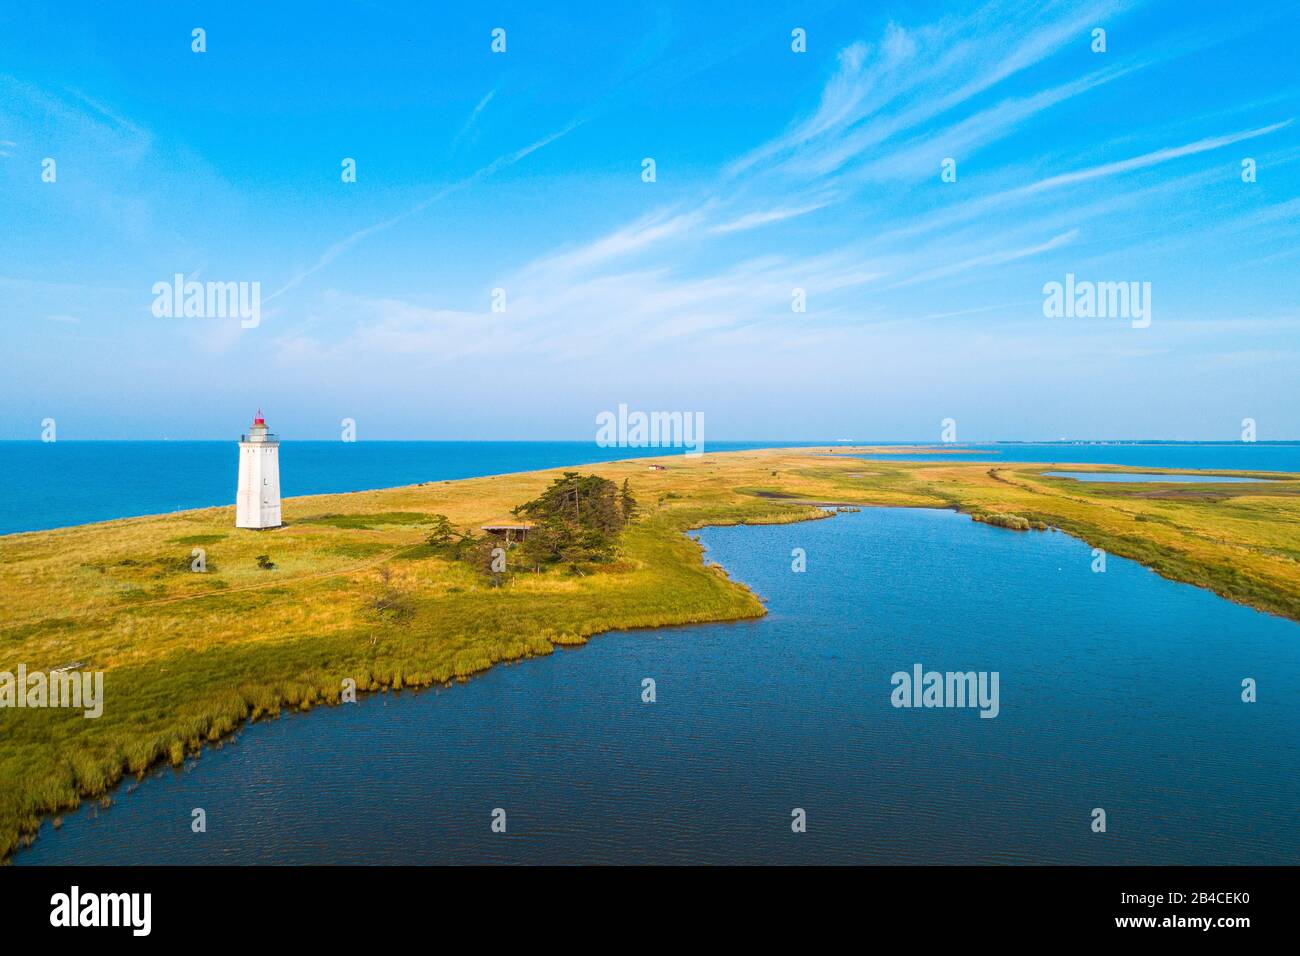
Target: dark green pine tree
575,520
626,501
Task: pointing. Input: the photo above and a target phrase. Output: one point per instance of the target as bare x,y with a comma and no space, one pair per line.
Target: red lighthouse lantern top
259,420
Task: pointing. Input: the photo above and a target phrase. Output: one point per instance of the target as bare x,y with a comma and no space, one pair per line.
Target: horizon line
854,443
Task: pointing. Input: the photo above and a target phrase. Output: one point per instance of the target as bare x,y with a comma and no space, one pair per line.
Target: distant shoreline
165,477
751,442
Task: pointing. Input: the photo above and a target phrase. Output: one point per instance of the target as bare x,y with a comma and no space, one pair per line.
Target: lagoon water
1118,690
1224,456
1130,478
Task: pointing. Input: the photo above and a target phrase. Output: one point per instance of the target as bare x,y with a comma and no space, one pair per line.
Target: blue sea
74,482
1118,691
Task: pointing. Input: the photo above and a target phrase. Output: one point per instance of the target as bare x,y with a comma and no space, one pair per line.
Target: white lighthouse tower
257,504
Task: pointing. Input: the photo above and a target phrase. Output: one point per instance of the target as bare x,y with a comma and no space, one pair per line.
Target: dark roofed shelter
510,530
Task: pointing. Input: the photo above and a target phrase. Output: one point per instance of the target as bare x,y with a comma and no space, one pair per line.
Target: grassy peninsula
352,587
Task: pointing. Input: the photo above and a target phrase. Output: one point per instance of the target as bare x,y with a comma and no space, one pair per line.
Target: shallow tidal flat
188,657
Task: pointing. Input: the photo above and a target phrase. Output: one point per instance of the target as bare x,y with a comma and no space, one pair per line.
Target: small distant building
510,530
257,502
658,468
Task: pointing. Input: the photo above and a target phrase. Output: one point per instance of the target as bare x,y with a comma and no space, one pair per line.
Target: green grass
367,522
200,539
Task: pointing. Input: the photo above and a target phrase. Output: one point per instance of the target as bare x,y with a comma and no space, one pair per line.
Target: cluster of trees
463,546
446,539
576,520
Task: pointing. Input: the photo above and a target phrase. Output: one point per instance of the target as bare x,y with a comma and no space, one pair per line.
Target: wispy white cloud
913,77
343,245
654,229
473,118
766,217
1153,158
999,257
717,270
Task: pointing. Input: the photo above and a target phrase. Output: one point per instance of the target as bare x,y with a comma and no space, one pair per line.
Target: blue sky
775,170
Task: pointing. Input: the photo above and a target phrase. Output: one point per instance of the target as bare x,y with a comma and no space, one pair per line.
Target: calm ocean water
69,482
74,482
1118,690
